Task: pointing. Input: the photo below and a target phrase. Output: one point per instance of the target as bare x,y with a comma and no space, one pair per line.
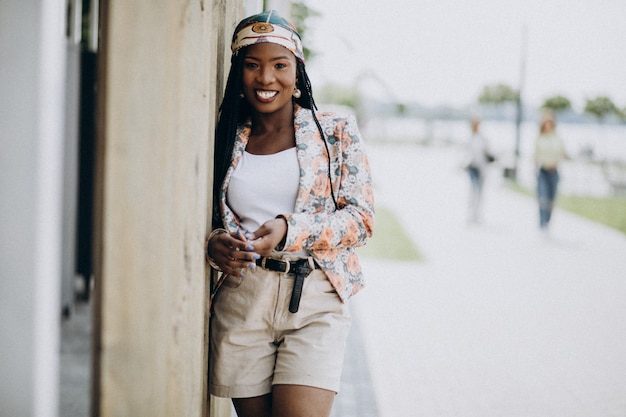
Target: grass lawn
610,211
390,240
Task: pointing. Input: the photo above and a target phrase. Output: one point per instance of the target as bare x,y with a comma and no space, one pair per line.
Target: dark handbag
489,157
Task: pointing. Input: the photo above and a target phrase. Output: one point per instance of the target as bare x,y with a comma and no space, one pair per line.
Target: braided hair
235,110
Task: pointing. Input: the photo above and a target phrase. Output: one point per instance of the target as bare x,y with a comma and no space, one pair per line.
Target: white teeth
266,94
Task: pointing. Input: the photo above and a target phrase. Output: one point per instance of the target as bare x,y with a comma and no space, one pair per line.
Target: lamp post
519,112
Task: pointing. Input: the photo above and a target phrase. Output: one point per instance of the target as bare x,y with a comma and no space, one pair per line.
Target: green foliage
300,13
498,94
390,240
600,107
400,109
557,104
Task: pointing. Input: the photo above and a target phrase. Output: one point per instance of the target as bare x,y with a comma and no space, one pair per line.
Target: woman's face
548,126
269,77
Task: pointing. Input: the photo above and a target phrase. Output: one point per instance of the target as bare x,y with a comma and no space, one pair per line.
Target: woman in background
478,156
549,152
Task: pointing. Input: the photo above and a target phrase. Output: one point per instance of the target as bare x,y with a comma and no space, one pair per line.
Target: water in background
587,144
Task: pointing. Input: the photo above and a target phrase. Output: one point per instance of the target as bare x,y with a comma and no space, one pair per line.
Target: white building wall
31,138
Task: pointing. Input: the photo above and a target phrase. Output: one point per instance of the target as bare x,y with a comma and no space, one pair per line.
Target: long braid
232,110
307,101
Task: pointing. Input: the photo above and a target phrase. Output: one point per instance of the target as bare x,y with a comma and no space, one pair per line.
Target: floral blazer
315,226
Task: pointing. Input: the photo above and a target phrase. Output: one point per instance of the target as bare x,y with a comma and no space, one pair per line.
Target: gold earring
296,93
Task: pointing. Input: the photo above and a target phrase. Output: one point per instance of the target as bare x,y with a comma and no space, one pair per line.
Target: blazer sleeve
319,226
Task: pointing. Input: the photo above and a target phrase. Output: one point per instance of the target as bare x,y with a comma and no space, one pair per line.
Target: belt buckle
287,265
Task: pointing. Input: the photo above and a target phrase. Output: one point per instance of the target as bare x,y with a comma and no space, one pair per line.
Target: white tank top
264,186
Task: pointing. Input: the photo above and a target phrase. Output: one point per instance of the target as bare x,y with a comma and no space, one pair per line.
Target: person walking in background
549,152
477,157
293,199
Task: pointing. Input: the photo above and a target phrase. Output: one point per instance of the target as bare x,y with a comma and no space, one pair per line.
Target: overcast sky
444,51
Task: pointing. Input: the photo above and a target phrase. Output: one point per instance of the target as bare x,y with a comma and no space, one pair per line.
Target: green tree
622,114
400,109
557,104
600,107
300,13
498,94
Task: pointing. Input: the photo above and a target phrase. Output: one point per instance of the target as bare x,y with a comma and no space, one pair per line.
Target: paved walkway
499,320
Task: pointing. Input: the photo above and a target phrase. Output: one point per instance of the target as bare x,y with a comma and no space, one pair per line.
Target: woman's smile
266,95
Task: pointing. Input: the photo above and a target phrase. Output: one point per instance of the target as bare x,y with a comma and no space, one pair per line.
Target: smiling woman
293,200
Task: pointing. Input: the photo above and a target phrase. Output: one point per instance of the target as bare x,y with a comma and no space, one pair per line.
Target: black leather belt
301,269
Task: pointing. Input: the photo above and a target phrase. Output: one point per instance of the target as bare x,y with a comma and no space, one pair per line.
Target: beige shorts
256,342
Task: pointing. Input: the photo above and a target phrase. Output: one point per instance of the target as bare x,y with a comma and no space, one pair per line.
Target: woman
478,156
293,198
549,152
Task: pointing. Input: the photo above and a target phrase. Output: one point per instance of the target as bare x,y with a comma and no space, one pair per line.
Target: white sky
444,51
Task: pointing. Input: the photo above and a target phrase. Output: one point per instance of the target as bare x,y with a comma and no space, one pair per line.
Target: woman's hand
232,253
269,235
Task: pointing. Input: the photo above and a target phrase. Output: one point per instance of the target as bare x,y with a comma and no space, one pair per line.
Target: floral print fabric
315,226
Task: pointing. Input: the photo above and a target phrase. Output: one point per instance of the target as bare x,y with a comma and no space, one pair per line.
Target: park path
498,320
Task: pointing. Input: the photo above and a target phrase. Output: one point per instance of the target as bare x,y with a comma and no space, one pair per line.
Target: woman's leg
475,192
553,183
287,401
254,407
543,198
301,401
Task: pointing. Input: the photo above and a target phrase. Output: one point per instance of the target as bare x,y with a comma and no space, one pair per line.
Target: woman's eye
251,65
280,65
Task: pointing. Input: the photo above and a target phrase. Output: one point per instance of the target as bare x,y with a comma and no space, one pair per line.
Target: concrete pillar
160,74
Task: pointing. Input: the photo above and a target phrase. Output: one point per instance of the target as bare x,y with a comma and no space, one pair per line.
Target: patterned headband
270,27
